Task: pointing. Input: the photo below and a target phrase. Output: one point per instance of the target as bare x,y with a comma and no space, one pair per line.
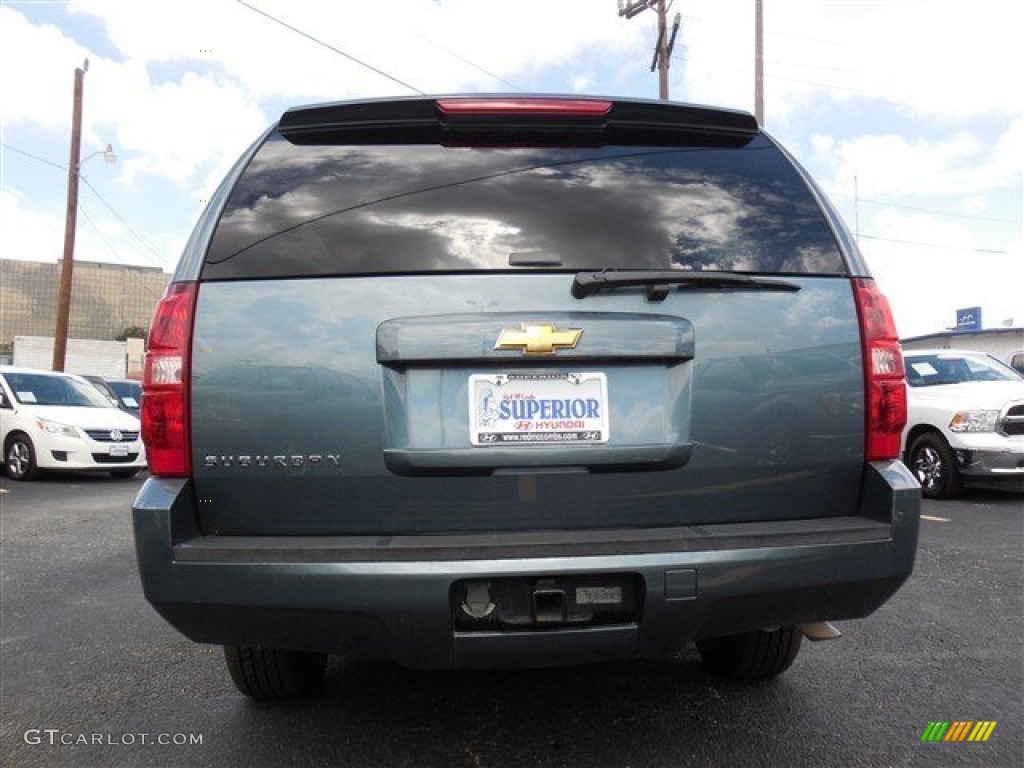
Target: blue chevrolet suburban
499,381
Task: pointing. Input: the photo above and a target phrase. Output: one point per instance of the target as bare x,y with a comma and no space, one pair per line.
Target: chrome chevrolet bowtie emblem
538,339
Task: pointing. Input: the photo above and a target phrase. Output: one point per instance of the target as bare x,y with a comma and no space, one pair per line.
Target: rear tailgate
355,406
387,338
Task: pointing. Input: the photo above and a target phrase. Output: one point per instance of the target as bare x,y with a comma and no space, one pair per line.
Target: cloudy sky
910,113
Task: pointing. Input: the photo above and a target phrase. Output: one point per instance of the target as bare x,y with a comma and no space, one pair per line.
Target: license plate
119,450
538,409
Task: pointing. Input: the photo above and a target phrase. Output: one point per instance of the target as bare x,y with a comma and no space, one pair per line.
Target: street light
109,156
75,163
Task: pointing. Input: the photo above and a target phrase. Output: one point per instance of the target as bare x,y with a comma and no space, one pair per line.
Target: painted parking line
932,519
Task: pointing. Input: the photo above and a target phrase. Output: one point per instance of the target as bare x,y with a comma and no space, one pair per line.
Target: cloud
894,165
916,99
179,130
183,97
38,64
433,47
38,236
931,263
941,58
968,250
929,267
174,130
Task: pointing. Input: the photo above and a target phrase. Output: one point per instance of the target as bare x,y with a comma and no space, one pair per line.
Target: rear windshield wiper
658,282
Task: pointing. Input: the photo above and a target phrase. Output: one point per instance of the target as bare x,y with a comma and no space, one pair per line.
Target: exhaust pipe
818,631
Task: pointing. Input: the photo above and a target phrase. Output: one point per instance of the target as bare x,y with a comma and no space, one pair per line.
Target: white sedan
56,421
965,421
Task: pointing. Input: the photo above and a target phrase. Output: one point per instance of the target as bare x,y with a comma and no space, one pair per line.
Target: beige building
105,299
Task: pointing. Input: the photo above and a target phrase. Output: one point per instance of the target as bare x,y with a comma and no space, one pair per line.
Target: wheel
933,464
268,674
124,474
20,459
753,655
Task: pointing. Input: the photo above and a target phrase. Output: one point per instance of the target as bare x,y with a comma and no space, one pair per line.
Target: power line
5,145
464,60
422,37
936,245
103,237
829,86
160,258
839,43
126,274
338,51
771,77
122,241
934,211
806,65
781,32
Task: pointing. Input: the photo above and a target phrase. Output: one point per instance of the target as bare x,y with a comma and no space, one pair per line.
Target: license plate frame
119,451
557,408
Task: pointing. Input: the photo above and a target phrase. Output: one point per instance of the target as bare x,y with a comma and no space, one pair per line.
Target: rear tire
20,459
270,674
934,465
756,655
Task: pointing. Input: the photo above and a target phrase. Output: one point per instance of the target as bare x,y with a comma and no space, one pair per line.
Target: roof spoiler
516,121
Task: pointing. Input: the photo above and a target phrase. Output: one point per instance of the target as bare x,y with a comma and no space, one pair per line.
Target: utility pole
665,43
60,334
759,62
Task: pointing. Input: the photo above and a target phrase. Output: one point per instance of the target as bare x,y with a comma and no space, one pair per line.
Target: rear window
373,209
126,389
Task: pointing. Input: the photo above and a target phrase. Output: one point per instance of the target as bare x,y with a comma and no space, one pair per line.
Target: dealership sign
968,319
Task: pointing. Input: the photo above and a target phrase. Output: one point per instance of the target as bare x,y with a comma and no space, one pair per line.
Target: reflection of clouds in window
336,209
645,416
696,210
720,224
818,314
484,242
814,259
260,218
701,221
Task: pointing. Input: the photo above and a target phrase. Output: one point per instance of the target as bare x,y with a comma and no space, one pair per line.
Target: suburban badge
279,460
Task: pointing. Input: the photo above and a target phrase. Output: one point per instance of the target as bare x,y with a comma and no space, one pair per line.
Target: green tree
131,332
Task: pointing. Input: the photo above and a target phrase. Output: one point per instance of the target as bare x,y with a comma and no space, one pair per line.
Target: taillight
166,428
885,391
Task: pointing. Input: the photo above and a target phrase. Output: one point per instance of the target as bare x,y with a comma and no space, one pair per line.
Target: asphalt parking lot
91,676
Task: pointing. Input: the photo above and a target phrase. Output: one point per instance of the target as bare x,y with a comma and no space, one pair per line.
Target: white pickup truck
965,422
1016,361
